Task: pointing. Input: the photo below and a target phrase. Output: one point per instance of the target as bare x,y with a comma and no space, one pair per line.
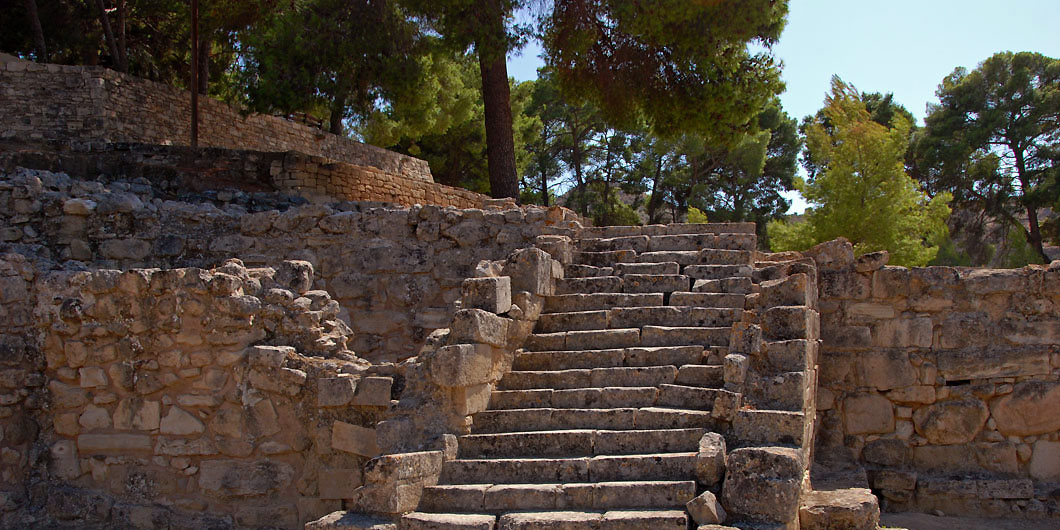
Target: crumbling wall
395,271
943,382
86,105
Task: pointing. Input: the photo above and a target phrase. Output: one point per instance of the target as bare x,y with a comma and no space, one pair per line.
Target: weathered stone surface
1045,461
951,422
980,363
180,422
295,276
373,391
354,439
531,270
868,414
335,391
64,462
350,521
872,261
489,294
462,365
793,290
705,509
835,255
113,443
338,483
446,521
241,478
710,460
885,369
478,326
976,457
843,509
1030,409
763,483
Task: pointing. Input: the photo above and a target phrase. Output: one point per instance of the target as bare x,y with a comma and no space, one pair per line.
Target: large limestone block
350,521
531,270
461,365
835,255
1030,409
295,276
951,422
705,509
478,326
710,460
796,289
446,521
373,391
763,483
1045,461
868,414
790,322
354,439
843,509
244,478
489,294
980,363
335,391
180,422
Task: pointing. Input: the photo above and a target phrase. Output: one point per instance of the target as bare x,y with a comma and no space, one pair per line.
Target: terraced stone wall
93,105
942,382
396,272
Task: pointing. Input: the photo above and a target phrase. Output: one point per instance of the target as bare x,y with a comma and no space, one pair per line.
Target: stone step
735,301
717,272
682,257
566,303
621,376
654,283
573,270
684,336
550,419
584,520
735,285
638,243
770,427
681,242
639,356
666,267
578,398
605,259
593,284
741,242
585,340
579,442
573,321
701,375
673,315
447,521
726,256
507,497
693,397
668,229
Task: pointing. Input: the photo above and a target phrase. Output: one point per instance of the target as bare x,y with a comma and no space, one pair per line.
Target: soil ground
923,521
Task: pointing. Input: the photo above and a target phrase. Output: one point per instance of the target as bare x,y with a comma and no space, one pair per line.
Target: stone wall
942,382
395,271
92,105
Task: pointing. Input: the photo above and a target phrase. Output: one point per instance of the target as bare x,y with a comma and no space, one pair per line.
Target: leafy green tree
863,192
993,140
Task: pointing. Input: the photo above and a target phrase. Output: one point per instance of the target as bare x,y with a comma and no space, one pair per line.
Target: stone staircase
617,412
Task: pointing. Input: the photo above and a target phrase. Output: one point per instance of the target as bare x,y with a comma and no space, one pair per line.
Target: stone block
180,422
489,294
872,261
1030,409
889,452
244,478
735,368
91,444
763,483
136,413
790,322
478,326
868,414
983,363
978,457
903,333
354,439
847,509
885,369
918,394
472,399
335,391
530,270
705,509
295,276
710,460
746,338
92,377
796,289
1045,461
870,311
338,483
373,391
835,255
1005,489
94,418
891,480
64,462
344,520
461,365
951,422
268,356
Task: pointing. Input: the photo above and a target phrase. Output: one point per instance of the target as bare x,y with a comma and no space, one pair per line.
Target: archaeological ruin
288,329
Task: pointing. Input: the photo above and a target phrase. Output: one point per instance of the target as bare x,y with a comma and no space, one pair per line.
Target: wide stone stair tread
447,521
668,229
588,285
575,270
638,243
633,317
665,267
579,442
682,242
604,259
613,357
684,336
708,299
621,376
655,283
500,497
549,419
587,302
676,396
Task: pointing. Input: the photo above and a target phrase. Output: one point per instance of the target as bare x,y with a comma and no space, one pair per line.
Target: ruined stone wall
943,382
395,271
93,105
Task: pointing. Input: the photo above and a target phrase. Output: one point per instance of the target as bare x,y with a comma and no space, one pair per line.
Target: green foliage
863,193
1017,252
992,139
696,216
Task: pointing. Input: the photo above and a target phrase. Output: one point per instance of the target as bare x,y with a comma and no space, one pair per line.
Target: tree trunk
204,65
496,96
335,122
38,32
544,187
656,199
123,48
112,43
1034,232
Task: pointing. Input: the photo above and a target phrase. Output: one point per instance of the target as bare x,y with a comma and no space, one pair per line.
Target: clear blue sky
900,46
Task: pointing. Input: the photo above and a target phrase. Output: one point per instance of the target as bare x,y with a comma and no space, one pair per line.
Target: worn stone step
724,256
693,397
734,285
520,399
573,270
604,398
594,284
607,397
716,272
735,301
681,242
770,427
701,375
619,376
681,257
731,241
787,391
605,259
547,419
638,243
664,355
654,283
588,302
507,497
666,267
583,340
672,315
568,359
573,321
579,442
683,336
446,521
581,520
515,470
710,228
